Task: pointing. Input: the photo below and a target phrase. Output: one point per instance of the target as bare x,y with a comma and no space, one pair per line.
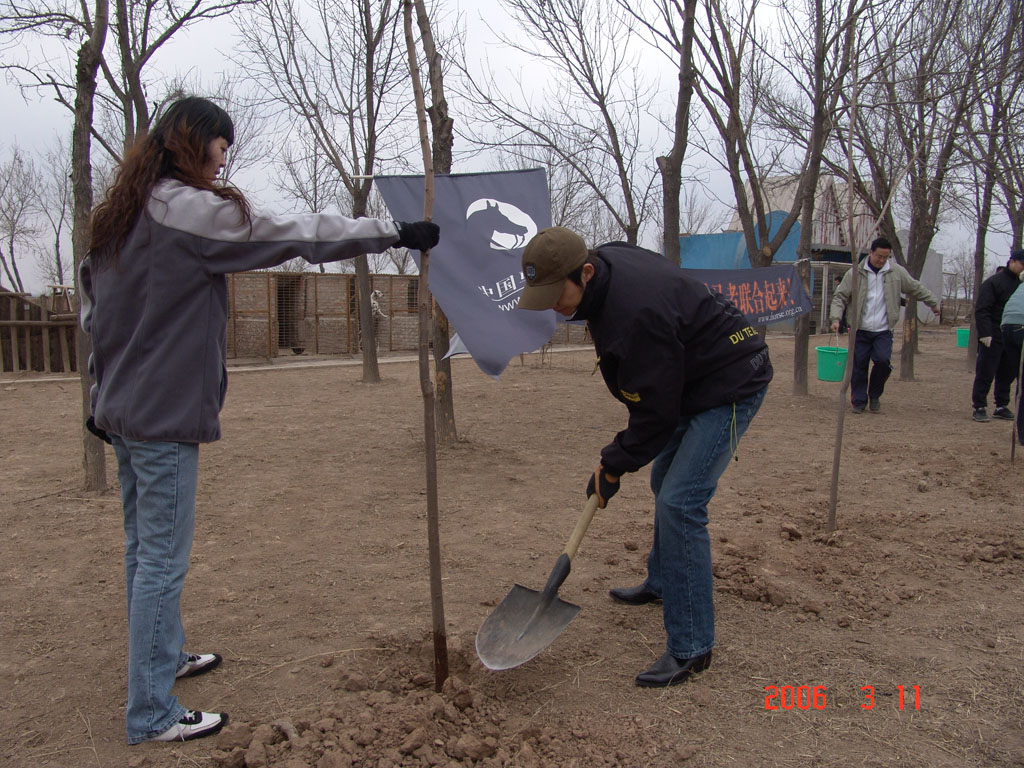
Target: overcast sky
33,122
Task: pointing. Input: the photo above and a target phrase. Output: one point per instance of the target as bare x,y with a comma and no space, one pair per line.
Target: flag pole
427,388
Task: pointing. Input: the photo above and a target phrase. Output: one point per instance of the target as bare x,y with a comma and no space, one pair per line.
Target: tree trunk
917,253
94,464
442,129
984,216
367,339
15,284
801,341
425,304
671,165
910,324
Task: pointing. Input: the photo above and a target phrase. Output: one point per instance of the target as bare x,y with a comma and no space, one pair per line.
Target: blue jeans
874,347
684,477
158,494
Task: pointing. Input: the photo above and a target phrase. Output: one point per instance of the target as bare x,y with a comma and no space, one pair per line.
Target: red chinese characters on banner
765,295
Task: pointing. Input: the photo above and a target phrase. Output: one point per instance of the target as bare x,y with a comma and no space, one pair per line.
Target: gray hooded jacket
158,318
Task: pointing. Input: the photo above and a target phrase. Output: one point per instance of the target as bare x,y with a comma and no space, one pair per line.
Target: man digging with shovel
692,373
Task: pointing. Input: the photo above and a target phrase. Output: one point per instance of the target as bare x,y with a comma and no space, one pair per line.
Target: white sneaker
194,725
197,663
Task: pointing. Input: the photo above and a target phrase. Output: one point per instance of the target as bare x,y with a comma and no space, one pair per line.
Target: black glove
606,488
90,424
418,235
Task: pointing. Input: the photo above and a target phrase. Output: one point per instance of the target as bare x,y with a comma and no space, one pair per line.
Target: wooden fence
269,314
37,334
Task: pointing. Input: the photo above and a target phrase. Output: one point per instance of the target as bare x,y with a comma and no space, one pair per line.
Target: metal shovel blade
526,622
521,627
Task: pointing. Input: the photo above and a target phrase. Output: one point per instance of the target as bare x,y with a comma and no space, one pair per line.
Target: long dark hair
174,148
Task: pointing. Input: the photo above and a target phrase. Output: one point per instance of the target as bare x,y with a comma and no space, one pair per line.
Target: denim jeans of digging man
684,477
158,494
875,348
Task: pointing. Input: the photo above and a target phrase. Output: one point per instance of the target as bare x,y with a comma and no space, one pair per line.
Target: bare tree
140,29
306,176
1010,180
697,214
914,104
588,115
18,206
958,281
338,68
750,93
1010,145
803,100
55,208
998,85
674,31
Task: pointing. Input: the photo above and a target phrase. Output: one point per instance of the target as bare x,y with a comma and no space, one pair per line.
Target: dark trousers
1013,340
993,363
870,347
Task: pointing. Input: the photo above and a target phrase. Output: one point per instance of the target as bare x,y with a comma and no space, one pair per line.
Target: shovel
526,622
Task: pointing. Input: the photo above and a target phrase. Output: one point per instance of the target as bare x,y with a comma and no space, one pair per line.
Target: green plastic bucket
831,363
963,335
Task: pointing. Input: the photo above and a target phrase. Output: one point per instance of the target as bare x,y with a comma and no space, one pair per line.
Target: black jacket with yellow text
668,348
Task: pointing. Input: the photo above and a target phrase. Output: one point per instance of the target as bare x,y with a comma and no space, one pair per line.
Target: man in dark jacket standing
993,362
692,373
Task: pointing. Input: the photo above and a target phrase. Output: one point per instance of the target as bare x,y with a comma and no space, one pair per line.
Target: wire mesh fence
275,313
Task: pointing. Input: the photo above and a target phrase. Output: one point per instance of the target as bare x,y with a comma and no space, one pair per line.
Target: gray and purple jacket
158,319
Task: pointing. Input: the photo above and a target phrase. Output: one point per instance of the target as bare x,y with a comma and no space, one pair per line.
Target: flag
765,295
476,275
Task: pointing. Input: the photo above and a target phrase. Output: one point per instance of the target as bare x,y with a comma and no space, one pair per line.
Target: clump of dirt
386,713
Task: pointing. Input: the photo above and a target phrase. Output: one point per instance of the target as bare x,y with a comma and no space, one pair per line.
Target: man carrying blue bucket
881,285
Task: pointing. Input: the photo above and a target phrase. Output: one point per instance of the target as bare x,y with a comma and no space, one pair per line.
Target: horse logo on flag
476,272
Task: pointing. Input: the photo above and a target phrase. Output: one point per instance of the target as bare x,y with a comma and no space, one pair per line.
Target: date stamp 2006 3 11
789,697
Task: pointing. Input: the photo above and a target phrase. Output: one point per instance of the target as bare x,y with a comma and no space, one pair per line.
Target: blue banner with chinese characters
765,295
476,271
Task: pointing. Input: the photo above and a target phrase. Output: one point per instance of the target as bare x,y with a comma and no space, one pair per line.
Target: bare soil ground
309,574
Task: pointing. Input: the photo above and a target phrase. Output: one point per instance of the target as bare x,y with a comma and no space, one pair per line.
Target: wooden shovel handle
581,526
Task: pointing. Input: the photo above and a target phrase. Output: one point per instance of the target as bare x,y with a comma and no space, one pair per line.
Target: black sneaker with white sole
198,663
194,725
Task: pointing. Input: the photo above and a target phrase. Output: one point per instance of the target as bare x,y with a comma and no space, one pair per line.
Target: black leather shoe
639,595
668,670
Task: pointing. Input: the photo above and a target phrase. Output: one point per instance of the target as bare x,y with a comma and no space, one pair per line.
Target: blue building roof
727,250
